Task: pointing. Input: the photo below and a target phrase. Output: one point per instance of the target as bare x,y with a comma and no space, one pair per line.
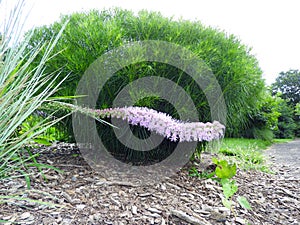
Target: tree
288,83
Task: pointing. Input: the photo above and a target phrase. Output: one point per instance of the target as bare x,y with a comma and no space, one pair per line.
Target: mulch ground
79,195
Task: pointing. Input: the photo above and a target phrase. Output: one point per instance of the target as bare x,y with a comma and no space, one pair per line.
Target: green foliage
23,90
225,172
244,202
297,119
288,84
224,169
263,134
286,123
47,137
280,140
89,35
193,172
229,187
247,153
297,109
269,111
244,144
264,119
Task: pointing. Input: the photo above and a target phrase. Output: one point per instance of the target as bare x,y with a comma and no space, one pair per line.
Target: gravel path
286,155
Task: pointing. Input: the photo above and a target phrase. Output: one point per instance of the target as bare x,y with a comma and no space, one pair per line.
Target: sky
269,28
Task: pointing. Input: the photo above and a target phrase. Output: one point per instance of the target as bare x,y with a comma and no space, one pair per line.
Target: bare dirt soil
81,196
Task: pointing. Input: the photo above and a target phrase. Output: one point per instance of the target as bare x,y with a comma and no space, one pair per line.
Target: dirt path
286,157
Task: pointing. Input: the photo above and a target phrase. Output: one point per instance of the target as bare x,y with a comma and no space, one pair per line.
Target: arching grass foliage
23,89
88,35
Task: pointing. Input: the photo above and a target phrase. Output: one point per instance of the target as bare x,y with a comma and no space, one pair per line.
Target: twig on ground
190,219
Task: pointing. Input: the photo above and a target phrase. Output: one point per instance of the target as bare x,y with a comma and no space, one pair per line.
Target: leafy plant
225,172
193,172
264,119
49,136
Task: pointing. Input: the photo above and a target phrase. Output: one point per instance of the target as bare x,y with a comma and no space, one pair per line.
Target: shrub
47,137
286,123
297,109
263,134
264,119
89,35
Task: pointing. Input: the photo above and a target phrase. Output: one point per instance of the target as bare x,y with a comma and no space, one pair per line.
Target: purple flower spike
163,124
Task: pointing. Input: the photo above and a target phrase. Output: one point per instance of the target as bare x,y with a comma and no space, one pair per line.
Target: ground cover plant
247,153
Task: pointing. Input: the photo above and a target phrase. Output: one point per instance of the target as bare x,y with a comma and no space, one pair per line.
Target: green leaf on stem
229,187
224,169
227,203
244,202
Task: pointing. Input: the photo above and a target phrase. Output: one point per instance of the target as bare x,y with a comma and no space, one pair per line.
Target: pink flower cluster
164,124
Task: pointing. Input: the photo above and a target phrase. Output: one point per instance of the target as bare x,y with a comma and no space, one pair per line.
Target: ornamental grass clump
89,35
22,91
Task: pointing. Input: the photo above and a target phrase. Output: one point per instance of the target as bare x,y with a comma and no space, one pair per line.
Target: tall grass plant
23,90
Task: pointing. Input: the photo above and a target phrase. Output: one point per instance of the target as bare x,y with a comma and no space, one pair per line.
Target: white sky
271,28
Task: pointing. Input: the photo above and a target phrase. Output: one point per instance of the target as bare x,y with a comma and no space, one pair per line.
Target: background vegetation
287,86
89,35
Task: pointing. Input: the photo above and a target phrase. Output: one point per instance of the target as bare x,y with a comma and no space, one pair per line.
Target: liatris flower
163,124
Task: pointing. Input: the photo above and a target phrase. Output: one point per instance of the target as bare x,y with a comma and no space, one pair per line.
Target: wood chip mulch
79,195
